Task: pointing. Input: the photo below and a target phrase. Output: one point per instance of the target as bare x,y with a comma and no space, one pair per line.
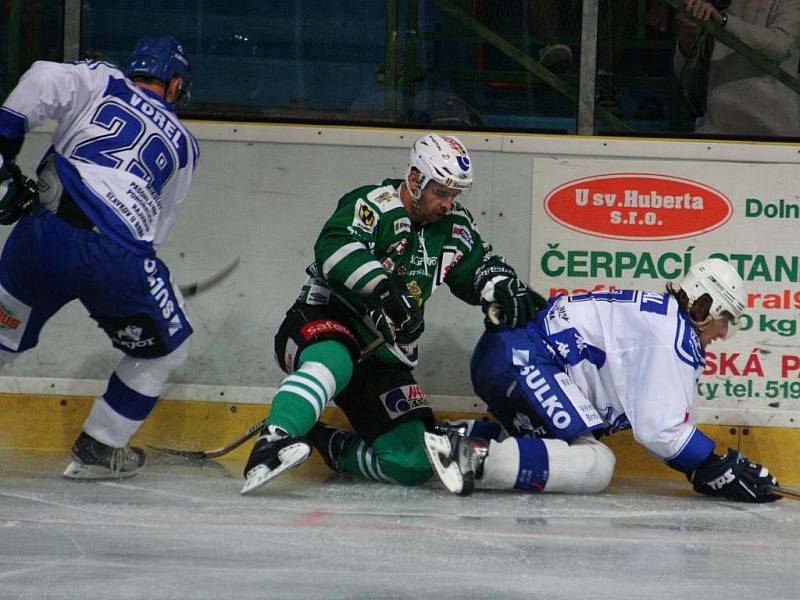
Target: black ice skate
92,459
457,460
330,442
272,454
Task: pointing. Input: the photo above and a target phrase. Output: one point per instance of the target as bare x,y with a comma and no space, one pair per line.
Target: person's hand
514,302
689,30
395,312
702,10
504,296
733,477
18,194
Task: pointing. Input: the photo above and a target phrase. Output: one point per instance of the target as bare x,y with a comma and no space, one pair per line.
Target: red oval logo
640,206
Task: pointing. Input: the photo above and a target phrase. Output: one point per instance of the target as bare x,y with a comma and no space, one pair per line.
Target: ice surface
181,530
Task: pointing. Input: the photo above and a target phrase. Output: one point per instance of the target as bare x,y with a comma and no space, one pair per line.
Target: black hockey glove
18,194
395,312
733,477
517,303
493,268
10,148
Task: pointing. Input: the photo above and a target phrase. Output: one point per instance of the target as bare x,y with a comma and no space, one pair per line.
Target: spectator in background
544,15
742,99
616,24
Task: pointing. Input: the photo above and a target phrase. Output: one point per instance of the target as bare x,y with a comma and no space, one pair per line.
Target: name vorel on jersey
118,88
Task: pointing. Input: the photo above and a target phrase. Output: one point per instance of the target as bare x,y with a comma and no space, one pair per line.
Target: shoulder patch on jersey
402,224
462,233
364,217
385,198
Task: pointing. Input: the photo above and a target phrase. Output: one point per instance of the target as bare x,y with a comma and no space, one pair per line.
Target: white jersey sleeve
118,150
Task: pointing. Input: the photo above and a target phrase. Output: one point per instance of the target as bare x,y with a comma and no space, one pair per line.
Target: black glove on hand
517,302
9,148
734,477
18,194
491,268
396,314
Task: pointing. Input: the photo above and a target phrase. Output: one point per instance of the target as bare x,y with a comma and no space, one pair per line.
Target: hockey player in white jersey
111,186
594,364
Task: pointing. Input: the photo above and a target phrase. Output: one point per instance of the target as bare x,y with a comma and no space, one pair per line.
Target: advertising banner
601,224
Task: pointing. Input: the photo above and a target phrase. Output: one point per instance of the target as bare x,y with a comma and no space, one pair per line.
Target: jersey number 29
125,146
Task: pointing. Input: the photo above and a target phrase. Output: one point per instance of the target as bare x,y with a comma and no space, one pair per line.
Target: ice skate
329,442
457,460
272,454
92,459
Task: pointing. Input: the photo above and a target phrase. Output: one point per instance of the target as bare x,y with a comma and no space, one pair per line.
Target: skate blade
78,471
438,447
260,475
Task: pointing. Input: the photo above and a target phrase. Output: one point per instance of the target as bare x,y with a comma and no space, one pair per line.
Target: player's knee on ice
402,456
407,468
584,467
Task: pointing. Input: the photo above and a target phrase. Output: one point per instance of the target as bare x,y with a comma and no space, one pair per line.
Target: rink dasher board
753,417
46,415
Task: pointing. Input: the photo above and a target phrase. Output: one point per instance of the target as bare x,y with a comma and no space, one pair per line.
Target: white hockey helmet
441,158
721,281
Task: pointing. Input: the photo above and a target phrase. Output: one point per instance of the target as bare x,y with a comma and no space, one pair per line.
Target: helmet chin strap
416,195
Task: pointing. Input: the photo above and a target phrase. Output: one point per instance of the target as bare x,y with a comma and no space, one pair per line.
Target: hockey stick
204,454
784,492
201,285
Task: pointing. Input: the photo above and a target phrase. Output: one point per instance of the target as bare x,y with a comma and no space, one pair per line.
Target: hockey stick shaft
784,492
204,454
201,285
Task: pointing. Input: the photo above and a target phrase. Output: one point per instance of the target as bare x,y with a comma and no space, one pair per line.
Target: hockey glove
18,194
396,314
500,288
734,477
518,303
9,148
491,270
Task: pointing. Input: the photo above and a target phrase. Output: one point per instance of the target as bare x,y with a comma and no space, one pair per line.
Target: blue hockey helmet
161,57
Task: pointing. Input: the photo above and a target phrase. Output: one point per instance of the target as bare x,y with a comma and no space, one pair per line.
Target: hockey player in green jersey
378,258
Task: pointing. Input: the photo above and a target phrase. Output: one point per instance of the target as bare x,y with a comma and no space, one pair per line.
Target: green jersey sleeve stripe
369,287
360,272
340,255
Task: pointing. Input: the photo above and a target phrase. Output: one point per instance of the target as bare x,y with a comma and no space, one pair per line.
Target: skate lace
119,458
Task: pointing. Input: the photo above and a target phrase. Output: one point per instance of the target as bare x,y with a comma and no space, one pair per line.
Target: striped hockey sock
325,369
301,398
